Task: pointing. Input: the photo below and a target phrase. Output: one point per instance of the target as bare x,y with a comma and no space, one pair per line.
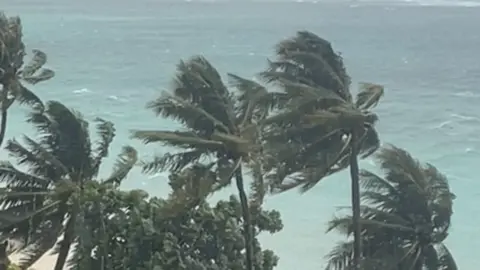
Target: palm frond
176,138
45,74
373,220
172,162
369,143
254,100
440,193
106,132
39,151
315,58
306,171
36,163
198,82
369,95
125,162
27,97
8,219
340,256
400,166
446,261
373,182
65,133
39,59
190,114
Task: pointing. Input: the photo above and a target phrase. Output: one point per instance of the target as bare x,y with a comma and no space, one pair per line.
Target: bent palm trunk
247,223
68,237
354,175
3,125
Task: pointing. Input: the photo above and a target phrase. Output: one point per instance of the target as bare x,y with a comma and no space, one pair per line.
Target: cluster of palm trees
295,127
310,128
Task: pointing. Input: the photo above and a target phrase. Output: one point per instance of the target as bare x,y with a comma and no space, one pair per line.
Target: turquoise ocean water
111,57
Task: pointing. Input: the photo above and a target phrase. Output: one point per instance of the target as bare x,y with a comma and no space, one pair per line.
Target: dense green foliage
310,127
146,234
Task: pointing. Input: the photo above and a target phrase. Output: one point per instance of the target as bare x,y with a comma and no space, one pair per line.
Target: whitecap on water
468,94
442,124
464,117
81,91
116,98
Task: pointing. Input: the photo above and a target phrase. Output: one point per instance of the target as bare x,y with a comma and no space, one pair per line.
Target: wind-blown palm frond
253,101
36,63
407,214
106,131
368,96
125,162
320,110
311,60
41,203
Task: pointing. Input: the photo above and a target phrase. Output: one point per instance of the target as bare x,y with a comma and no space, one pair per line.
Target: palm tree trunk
67,241
354,175
247,222
3,125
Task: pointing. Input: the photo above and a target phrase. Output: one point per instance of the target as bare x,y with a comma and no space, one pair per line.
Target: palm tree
405,220
13,71
219,129
41,203
318,128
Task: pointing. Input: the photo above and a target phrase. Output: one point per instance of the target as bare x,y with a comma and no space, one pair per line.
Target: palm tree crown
405,220
310,135
39,204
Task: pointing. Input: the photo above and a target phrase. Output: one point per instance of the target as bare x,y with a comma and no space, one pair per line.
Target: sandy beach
47,262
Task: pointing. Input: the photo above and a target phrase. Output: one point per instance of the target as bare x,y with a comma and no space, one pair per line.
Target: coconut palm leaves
405,220
310,136
43,201
219,129
13,71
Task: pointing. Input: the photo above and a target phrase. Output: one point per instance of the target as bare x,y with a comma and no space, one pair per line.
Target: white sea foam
464,117
468,94
81,91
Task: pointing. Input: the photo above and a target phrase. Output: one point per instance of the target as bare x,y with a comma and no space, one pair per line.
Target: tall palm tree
219,129
13,71
45,201
405,220
318,128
